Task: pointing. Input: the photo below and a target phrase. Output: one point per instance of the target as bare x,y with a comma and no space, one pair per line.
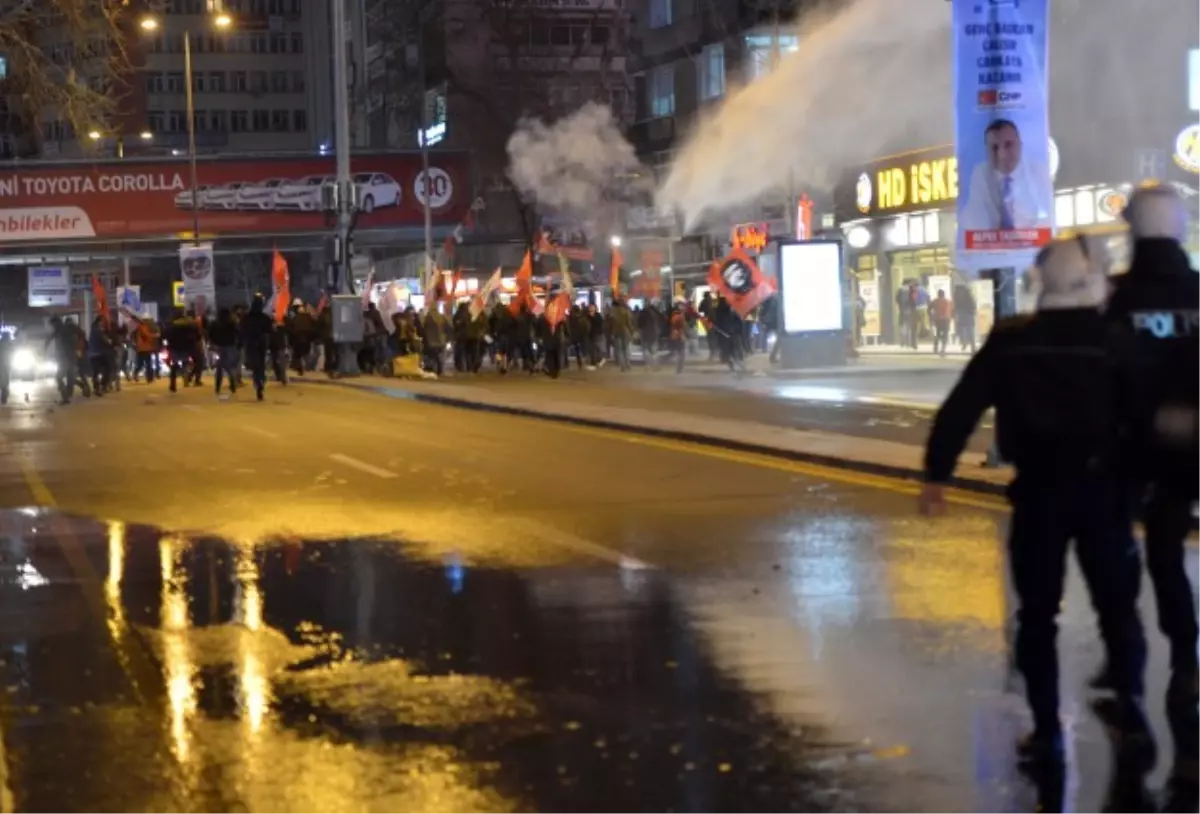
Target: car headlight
23,361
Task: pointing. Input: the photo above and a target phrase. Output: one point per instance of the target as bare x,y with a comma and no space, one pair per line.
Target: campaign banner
199,277
1006,206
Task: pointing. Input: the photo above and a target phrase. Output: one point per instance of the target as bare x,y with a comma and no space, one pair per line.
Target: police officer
1158,298
1061,381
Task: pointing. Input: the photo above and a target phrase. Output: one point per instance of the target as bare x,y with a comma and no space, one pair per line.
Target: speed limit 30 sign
437,187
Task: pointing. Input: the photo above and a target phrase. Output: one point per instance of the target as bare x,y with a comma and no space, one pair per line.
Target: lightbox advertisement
810,283
1006,206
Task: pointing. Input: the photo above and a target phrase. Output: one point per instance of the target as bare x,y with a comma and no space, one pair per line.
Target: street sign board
49,286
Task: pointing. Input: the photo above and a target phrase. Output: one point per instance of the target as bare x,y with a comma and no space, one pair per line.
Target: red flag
281,281
738,278
614,271
558,309
101,299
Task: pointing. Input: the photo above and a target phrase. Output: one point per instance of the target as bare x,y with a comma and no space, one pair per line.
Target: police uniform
1062,382
1157,299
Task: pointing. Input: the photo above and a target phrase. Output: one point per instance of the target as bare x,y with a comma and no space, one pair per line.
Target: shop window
898,231
661,87
660,13
1064,211
932,228
1085,208
710,72
1194,79
916,230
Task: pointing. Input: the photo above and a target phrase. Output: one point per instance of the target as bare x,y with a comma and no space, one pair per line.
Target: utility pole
341,144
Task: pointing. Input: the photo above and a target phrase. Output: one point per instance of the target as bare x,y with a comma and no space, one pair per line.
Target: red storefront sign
131,198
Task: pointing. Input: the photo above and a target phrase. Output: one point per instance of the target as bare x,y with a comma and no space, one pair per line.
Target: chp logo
863,193
996,98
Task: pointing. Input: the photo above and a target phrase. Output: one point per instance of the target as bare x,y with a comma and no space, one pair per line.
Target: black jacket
223,333
1065,385
257,328
182,335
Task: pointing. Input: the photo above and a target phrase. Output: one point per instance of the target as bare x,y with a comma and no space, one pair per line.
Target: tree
66,60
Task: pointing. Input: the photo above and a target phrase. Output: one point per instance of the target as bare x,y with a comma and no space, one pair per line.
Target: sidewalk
864,454
882,362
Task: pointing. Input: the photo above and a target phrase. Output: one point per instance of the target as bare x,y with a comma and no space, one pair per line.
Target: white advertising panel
810,283
49,286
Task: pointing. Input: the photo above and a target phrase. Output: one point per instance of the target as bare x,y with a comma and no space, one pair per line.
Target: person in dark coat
1158,299
1065,386
256,329
182,336
223,334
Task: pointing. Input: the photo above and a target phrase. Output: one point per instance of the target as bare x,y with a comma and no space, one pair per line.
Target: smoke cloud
866,79
578,165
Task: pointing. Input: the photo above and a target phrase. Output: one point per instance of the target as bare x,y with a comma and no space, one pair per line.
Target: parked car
224,196
183,200
303,194
259,194
376,189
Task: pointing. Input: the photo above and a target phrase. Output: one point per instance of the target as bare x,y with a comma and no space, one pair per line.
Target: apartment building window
560,35
300,121
261,121
239,82
175,82
239,121
258,6
156,46
216,82
278,43
176,121
297,43
660,90
200,121
710,72
275,6
155,121
294,6
258,43
660,13
297,81
218,120
258,82
199,82
173,43
279,81
217,43
279,121
154,82
761,52
599,35
238,43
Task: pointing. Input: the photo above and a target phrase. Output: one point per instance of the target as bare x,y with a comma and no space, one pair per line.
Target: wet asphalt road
337,601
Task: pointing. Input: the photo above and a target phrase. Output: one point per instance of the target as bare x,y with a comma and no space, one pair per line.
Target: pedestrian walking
1063,382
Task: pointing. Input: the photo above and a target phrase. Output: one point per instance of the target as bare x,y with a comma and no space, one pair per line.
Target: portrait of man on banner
739,280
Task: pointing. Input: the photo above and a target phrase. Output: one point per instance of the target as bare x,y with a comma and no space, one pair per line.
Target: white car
224,196
183,200
303,195
376,189
259,194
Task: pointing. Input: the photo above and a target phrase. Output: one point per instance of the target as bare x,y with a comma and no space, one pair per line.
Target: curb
866,467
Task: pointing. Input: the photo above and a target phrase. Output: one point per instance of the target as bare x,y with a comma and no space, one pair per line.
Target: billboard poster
810,277
49,286
129,301
869,293
199,277
1006,201
50,203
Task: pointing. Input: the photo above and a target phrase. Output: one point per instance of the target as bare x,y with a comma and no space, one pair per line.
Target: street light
222,21
94,135
615,240
146,135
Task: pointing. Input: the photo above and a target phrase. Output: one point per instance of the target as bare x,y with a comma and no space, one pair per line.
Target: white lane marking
274,436
362,466
195,408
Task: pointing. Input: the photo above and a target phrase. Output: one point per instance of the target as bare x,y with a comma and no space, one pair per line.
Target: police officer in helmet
1063,383
1157,299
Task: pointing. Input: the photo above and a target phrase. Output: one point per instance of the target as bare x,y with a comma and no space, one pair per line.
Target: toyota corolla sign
119,199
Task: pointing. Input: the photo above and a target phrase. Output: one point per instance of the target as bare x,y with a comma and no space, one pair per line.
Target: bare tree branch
66,60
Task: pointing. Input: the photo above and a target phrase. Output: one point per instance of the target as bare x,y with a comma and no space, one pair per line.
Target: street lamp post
191,129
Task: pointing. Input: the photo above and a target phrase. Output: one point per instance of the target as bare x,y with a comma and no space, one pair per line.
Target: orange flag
281,282
101,299
614,271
